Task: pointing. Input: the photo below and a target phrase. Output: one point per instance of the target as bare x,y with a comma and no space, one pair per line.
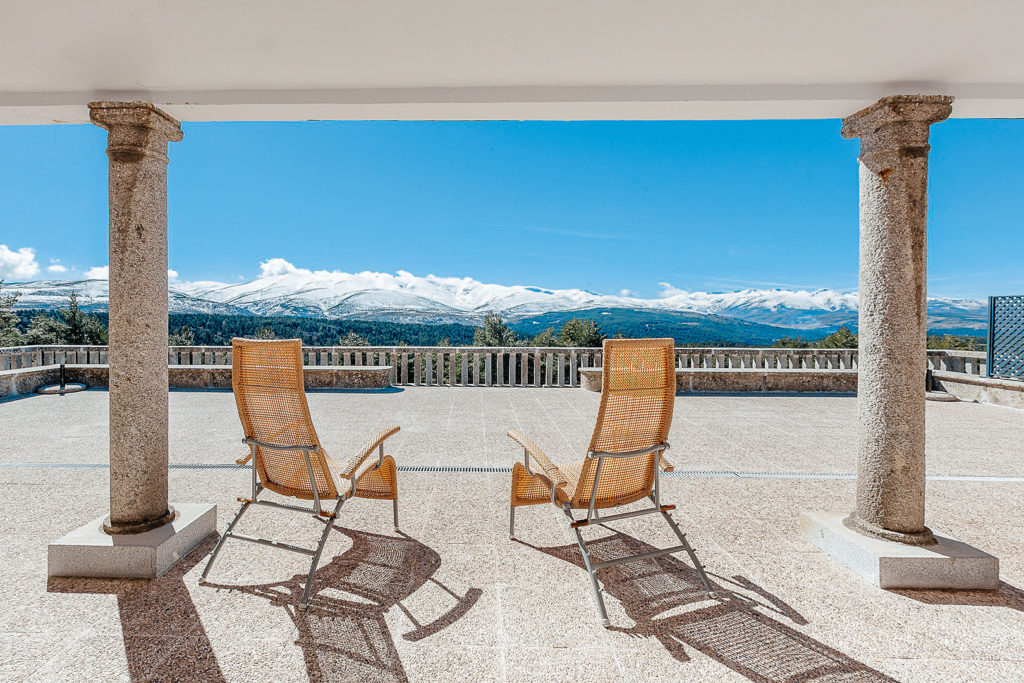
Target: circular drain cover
69,388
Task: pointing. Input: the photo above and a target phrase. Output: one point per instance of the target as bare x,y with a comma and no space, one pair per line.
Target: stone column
893,314
137,137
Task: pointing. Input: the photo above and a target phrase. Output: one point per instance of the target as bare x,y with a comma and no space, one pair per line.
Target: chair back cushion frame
267,379
638,388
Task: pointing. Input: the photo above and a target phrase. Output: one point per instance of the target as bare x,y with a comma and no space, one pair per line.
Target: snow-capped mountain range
284,290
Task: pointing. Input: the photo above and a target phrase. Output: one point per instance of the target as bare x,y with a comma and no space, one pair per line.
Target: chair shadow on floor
665,600
164,638
343,633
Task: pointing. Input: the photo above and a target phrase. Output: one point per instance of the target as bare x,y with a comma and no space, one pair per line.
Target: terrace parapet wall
23,369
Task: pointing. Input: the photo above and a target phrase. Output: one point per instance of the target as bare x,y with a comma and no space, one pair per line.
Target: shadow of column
665,599
343,633
164,638
1005,595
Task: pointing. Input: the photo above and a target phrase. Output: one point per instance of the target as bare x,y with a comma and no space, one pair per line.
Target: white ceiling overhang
238,60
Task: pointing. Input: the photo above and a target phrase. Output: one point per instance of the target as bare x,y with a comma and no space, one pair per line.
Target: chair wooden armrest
244,459
353,464
550,471
666,466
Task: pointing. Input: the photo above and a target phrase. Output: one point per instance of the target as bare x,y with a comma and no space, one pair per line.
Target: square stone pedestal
887,564
90,551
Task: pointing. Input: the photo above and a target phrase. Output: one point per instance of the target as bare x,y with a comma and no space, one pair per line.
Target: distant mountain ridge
283,290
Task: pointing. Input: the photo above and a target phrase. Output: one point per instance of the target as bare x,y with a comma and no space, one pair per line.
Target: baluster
573,376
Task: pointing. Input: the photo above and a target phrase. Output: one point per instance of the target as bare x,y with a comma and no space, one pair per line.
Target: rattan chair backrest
638,387
270,394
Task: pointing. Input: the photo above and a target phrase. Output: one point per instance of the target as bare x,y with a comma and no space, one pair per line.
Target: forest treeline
71,325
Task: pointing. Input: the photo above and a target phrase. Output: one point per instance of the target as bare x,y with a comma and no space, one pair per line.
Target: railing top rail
493,349
954,353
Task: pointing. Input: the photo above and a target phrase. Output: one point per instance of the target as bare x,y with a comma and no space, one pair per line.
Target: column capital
896,126
135,128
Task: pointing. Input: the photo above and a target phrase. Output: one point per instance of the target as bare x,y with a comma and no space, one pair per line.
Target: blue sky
604,206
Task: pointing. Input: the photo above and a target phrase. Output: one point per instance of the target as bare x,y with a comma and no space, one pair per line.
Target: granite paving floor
451,596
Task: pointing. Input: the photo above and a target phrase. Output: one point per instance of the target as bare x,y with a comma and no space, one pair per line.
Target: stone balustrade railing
493,366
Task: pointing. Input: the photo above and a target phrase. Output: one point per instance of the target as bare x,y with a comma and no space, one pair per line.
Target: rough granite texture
27,380
516,610
892,320
137,137
1000,392
748,380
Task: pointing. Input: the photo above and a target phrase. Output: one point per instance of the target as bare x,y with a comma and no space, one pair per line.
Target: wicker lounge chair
286,454
625,457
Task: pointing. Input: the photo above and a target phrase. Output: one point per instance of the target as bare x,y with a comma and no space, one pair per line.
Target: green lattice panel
1007,337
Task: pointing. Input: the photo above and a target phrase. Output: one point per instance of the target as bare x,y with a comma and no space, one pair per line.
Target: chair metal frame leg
224,537
594,517
698,567
316,511
304,603
591,568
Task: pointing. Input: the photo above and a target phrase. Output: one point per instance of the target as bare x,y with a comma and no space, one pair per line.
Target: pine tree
545,338
182,336
9,333
495,332
43,328
842,338
580,332
791,343
353,339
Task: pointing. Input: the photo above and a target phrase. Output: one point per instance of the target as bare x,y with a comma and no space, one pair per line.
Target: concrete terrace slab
451,596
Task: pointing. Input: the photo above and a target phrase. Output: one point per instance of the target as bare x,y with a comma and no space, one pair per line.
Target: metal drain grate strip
454,469
457,469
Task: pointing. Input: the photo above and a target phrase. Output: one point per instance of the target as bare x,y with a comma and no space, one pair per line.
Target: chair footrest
622,515
642,556
272,544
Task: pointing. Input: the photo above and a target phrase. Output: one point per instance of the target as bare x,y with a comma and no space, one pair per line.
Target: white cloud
627,292
18,265
56,268
668,290
103,273
278,266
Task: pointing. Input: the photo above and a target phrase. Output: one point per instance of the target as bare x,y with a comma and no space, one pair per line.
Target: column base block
88,551
949,563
